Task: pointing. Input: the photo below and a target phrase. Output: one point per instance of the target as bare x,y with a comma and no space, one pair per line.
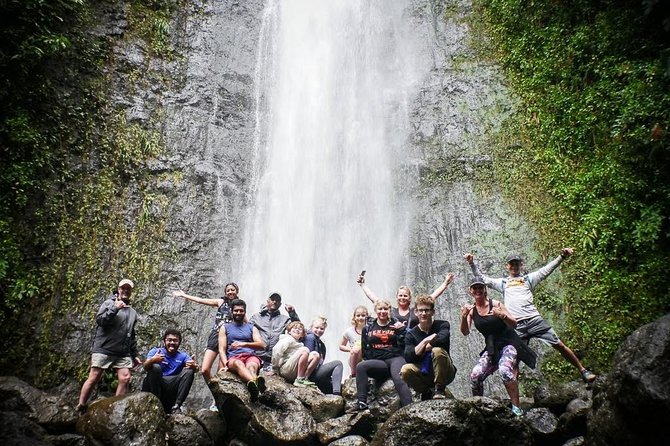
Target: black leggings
382,369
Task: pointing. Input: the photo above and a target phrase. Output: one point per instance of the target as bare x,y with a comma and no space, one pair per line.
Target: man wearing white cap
114,344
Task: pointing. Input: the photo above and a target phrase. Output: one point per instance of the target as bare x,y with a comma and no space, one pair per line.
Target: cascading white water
335,80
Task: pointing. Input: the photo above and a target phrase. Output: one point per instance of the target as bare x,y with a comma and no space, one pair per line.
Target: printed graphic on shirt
515,281
381,338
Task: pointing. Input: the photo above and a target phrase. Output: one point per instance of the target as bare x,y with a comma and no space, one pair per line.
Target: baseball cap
127,282
477,280
275,296
513,257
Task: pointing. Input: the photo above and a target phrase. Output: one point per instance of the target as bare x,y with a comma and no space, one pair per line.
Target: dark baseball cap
513,257
275,297
477,280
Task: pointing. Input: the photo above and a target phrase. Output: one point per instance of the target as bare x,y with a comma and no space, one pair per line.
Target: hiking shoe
213,408
253,390
81,408
260,383
588,376
358,406
517,410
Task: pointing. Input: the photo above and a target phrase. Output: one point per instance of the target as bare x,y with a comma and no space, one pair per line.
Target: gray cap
477,280
275,296
513,257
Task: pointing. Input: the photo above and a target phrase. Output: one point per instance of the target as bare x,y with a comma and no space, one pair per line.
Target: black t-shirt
382,341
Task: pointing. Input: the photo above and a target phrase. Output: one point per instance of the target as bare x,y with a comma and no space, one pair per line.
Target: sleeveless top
223,315
410,320
498,335
242,333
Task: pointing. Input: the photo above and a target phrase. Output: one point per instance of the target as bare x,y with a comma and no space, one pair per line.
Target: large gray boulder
16,430
277,417
136,418
469,422
633,401
49,409
186,430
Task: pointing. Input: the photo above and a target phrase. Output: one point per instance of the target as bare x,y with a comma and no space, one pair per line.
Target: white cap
126,282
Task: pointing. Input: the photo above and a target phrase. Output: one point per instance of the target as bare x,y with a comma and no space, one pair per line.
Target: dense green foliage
587,156
77,209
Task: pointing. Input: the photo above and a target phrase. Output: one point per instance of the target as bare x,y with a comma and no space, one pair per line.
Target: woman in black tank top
496,324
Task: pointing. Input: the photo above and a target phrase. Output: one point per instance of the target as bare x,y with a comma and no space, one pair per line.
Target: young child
351,340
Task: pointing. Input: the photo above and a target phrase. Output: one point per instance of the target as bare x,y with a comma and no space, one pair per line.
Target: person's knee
123,376
314,356
406,371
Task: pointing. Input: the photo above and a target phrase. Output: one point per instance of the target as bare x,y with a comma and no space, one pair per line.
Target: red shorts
246,358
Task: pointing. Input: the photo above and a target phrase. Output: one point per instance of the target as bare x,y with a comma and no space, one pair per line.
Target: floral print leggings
506,367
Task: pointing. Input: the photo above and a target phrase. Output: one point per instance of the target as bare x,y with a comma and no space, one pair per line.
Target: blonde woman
351,339
291,359
404,312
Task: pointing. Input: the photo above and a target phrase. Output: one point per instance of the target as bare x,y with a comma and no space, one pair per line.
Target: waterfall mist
335,82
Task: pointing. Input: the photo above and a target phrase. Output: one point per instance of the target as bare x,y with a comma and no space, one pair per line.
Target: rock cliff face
208,119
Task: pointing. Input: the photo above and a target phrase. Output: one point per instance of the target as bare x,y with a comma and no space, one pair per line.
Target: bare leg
236,366
354,358
302,362
312,361
94,376
207,363
569,355
513,391
124,378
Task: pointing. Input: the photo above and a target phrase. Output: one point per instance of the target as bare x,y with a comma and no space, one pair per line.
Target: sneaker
309,383
177,409
81,408
517,410
260,383
359,406
588,376
298,382
213,408
253,390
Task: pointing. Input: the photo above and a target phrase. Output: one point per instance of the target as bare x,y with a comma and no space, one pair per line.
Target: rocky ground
628,406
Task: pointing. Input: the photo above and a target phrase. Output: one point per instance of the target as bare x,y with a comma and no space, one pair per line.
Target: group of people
404,343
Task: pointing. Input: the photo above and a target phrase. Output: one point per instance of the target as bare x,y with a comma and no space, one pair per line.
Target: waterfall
335,81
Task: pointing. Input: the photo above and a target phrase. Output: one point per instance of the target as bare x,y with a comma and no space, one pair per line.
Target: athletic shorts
246,358
213,341
104,361
536,327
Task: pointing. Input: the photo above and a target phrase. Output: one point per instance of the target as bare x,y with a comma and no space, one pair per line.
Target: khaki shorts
289,370
104,361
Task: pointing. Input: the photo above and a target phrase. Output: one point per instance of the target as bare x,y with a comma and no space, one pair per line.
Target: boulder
544,425
323,407
136,418
633,401
383,399
557,397
51,410
186,430
351,440
67,440
213,423
473,421
359,424
16,430
277,417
